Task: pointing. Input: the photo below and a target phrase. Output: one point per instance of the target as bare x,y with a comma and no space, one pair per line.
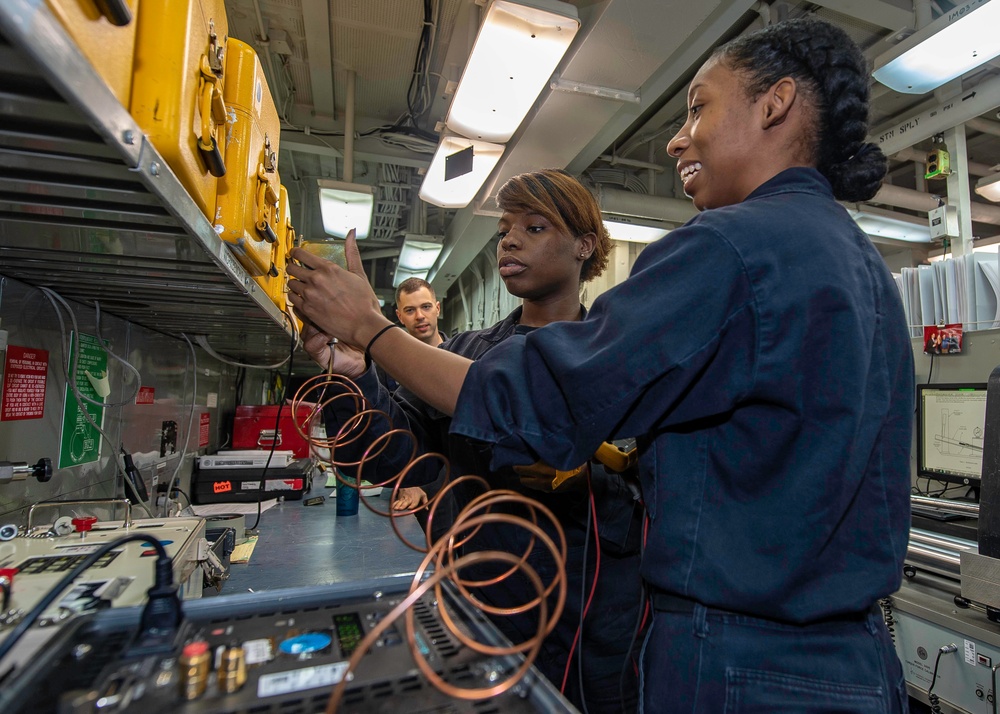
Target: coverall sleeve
674,343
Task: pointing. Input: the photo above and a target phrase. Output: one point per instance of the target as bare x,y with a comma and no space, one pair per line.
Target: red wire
593,588
645,535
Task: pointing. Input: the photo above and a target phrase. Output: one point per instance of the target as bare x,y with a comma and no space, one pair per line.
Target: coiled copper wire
444,554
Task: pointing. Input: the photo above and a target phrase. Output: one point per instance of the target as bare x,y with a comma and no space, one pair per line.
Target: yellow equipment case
177,90
276,287
104,30
247,214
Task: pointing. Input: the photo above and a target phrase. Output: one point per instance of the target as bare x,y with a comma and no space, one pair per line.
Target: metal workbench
300,545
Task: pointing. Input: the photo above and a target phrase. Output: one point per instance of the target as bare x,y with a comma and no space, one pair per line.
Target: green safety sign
81,442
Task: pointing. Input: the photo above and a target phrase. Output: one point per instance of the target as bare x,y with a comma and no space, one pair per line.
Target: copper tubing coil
444,554
417,590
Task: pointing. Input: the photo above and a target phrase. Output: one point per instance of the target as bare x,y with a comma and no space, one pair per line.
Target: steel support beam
316,19
874,12
906,130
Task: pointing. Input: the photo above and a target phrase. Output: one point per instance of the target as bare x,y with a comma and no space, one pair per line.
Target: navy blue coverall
760,355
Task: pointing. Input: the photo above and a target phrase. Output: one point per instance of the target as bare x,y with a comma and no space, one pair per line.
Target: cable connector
135,478
161,616
948,649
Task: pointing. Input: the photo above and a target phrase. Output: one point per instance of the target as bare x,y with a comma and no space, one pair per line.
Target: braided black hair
829,67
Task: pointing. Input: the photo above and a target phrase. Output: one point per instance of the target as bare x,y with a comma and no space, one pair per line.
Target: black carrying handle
117,11
213,159
267,233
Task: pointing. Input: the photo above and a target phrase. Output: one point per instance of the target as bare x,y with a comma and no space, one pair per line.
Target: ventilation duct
640,205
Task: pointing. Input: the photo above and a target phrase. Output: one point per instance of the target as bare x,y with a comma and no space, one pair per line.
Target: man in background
417,309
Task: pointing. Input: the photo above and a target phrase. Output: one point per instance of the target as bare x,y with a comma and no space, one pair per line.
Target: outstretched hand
409,498
339,303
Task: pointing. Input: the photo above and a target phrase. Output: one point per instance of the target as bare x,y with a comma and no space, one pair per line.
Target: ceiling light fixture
345,206
629,228
989,187
458,191
957,42
417,256
518,47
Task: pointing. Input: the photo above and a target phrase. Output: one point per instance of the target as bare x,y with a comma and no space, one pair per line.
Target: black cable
416,94
29,619
5,589
133,476
890,622
181,492
933,699
930,372
277,430
261,487
240,379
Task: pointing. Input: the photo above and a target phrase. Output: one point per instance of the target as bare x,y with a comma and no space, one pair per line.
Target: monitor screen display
950,423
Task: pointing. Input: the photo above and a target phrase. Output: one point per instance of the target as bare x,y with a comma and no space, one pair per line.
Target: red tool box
254,428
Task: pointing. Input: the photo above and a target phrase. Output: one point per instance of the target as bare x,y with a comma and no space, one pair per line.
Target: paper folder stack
962,290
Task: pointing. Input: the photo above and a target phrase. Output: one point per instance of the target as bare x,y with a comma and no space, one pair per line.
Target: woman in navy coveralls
551,240
774,463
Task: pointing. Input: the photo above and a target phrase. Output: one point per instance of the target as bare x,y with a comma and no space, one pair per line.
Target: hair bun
859,177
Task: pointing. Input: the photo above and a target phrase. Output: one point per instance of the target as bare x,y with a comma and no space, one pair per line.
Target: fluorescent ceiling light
404,274
878,225
345,206
631,229
959,41
518,47
419,252
989,187
417,257
458,192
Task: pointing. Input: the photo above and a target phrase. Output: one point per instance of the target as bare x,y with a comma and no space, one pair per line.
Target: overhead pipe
922,14
634,163
905,130
920,157
983,125
265,44
900,197
379,253
639,205
349,127
764,10
650,172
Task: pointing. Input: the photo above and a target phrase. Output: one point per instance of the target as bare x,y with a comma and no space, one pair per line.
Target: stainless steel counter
301,545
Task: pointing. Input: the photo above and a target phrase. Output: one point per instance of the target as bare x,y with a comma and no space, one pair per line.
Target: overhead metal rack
89,208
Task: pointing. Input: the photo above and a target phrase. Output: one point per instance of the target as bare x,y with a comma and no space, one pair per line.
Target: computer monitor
950,424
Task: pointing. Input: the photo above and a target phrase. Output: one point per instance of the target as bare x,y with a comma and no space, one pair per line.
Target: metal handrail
127,523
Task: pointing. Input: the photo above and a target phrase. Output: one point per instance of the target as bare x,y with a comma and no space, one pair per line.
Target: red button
84,523
193,649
